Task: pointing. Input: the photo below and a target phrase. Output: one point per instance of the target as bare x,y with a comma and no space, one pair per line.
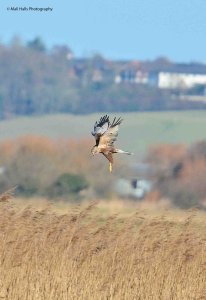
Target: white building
168,80
132,76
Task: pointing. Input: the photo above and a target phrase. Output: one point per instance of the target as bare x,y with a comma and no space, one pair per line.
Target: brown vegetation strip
80,255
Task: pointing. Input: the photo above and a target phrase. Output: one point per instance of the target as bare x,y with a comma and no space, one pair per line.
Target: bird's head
94,150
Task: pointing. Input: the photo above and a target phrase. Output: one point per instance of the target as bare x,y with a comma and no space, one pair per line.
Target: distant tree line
39,166
63,169
37,80
179,173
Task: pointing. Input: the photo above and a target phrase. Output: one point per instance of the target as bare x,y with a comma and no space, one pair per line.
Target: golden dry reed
84,254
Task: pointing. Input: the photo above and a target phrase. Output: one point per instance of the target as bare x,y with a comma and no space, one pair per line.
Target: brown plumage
105,134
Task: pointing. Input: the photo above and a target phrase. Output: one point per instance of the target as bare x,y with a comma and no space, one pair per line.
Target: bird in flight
105,134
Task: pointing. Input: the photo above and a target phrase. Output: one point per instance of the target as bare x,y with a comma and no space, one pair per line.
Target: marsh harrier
105,134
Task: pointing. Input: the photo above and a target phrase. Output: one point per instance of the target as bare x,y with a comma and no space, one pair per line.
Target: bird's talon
110,168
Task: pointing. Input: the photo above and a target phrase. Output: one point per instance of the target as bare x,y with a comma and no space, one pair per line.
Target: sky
116,29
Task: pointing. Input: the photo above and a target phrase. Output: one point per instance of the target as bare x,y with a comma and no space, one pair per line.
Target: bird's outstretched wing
110,135
101,126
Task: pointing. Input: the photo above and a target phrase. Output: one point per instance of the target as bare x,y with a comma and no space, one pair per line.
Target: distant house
132,76
139,185
135,188
97,76
171,80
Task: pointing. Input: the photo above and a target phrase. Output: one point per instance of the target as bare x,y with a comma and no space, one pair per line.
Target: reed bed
84,254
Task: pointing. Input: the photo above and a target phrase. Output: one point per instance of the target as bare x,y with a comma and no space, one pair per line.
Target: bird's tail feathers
123,152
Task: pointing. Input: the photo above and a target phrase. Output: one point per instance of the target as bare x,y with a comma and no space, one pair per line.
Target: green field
138,131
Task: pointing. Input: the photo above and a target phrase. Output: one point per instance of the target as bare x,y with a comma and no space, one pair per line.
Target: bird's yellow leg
110,167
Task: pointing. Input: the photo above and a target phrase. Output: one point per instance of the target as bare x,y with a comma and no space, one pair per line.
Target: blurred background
61,70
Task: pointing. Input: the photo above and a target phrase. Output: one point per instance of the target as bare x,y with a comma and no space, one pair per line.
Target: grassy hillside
138,131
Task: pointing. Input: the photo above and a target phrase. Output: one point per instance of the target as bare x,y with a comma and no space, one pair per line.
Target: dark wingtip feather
101,122
116,122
